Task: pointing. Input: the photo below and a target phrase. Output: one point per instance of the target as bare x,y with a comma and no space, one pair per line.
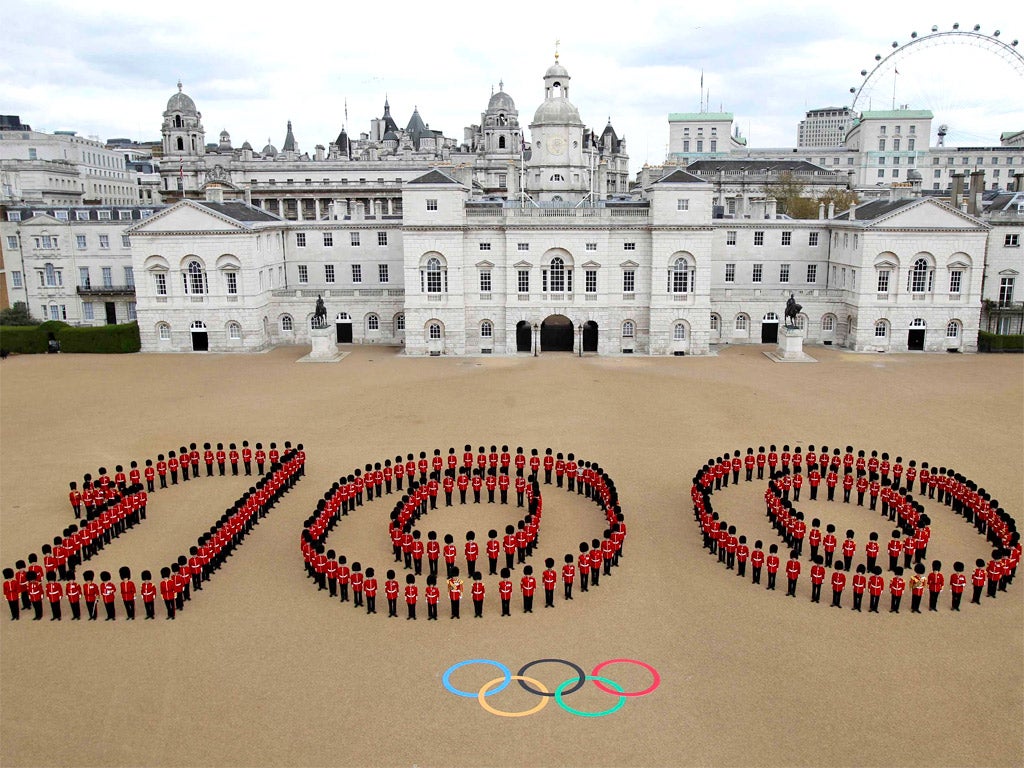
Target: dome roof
501,102
179,102
390,136
247,145
556,70
557,111
270,150
225,135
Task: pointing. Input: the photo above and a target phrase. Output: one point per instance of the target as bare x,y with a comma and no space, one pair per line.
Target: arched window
181,143
194,278
287,324
920,278
918,322
556,274
234,331
177,121
828,323
716,321
434,331
680,277
953,329
501,141
399,322
679,332
881,329
628,329
434,277
801,321
163,331
741,322
486,329
51,274
372,323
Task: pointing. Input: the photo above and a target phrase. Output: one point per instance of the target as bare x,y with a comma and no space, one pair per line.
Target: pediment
187,216
41,220
522,265
591,263
629,264
927,214
485,264
1009,272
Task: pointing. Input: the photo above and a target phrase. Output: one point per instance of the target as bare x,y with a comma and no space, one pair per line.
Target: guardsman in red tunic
492,483
549,578
994,571
814,480
12,593
549,464
448,484
798,483
876,584
896,587
260,456
172,466
34,590
455,590
957,583
432,594
742,555
596,561
831,480
433,552
91,593
370,591
54,592
936,581
417,552
168,591
493,549
391,593
503,483
871,550
411,595
148,591
978,580
505,592
233,459
222,458
862,487
161,470
478,483
756,562
450,553
838,585
894,549
849,549
772,564
568,576
75,497
773,459
127,592
407,541
520,462
847,487
247,457
817,578
814,537
761,459
356,580
748,463
108,594
860,583
528,585
792,573
829,544
477,592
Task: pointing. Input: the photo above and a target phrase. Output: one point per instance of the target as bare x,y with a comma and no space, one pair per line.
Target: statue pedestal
324,349
791,347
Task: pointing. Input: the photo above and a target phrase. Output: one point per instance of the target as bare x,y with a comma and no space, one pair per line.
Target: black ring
579,671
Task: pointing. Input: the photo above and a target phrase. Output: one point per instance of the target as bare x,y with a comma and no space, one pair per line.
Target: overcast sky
107,69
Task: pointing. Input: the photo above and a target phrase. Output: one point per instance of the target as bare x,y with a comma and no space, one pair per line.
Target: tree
17,314
790,197
843,199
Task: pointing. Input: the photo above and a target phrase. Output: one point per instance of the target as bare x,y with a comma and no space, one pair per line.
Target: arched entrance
524,336
770,328
343,327
556,334
915,336
200,338
590,336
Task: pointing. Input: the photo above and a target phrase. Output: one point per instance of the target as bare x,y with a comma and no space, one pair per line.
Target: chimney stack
831,210
821,211
853,212
977,187
957,192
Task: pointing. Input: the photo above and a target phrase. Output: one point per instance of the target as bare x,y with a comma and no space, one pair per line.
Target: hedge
103,339
993,342
22,339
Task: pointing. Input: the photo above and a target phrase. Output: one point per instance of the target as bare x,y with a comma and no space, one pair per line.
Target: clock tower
557,170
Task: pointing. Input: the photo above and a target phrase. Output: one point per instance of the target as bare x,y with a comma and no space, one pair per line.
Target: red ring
644,692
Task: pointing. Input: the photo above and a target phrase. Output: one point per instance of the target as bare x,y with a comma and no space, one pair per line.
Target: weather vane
557,43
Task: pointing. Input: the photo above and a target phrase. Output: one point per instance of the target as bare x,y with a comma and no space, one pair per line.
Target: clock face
556,146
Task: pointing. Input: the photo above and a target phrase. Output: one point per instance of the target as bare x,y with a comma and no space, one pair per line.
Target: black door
590,336
111,309
344,332
769,333
523,336
556,334
200,341
915,340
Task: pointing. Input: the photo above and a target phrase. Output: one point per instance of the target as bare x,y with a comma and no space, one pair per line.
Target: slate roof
238,211
755,165
433,177
680,176
876,209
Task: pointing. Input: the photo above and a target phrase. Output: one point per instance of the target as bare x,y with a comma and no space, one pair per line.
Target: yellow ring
481,697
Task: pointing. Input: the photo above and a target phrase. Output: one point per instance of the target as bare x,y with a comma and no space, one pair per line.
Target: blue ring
504,670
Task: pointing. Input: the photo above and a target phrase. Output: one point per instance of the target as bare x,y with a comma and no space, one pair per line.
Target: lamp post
536,338
581,338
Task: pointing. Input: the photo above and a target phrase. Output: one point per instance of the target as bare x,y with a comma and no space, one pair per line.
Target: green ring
579,713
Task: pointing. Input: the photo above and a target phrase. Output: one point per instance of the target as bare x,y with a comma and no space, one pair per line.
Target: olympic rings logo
537,688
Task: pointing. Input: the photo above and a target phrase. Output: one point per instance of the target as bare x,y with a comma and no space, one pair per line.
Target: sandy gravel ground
261,669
